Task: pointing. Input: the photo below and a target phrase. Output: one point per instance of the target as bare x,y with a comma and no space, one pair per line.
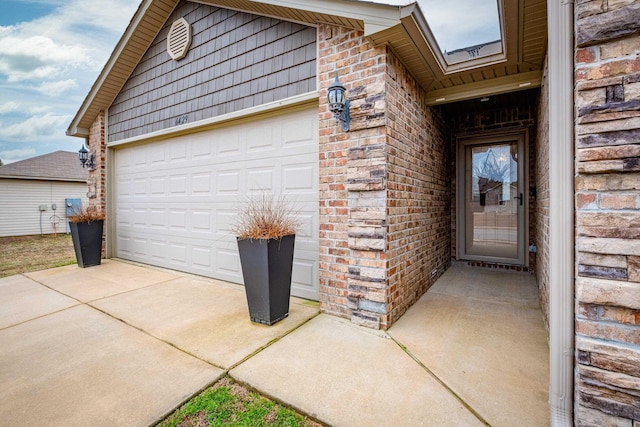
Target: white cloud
462,23
47,66
35,126
10,156
57,88
8,107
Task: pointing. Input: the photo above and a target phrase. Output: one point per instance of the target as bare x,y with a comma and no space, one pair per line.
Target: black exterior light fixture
339,104
87,158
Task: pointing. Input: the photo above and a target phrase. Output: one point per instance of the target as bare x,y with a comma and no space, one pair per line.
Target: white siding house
29,190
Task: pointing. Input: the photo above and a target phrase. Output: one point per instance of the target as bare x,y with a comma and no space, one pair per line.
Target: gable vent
179,39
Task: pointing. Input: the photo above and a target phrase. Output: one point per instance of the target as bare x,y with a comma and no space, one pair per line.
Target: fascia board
73,129
376,17
512,83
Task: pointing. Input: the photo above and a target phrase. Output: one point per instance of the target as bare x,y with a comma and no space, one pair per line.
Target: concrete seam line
152,336
273,341
441,382
279,401
187,399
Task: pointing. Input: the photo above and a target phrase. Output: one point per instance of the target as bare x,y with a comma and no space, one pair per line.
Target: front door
491,215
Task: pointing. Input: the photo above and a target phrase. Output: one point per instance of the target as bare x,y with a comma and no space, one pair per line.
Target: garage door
175,198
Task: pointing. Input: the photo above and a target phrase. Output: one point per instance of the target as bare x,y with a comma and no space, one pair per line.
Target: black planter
266,268
87,242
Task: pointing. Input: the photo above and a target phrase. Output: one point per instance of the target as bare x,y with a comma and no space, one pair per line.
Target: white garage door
175,198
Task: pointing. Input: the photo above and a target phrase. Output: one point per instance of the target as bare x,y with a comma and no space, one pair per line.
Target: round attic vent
179,39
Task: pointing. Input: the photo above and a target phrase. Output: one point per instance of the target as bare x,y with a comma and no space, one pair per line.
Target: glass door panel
493,208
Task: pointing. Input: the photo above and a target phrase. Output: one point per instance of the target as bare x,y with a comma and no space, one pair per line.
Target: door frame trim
485,138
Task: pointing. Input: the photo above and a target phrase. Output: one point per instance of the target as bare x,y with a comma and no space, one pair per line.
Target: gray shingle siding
236,61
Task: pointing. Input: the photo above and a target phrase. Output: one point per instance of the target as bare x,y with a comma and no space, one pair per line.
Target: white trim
376,16
108,196
495,86
225,119
561,211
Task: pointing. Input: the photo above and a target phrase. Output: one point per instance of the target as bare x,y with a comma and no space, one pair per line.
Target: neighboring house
388,204
33,193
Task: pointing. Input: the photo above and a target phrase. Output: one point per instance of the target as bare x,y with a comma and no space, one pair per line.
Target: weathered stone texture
607,221
598,28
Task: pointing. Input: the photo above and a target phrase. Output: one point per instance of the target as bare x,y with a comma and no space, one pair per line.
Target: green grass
227,403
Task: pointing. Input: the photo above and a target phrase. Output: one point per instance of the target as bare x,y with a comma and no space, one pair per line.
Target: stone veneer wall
540,219
607,91
418,191
384,194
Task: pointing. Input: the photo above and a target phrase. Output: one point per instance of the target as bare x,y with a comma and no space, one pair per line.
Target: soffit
525,35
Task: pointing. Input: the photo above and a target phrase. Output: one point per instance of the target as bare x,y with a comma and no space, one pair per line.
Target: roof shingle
56,166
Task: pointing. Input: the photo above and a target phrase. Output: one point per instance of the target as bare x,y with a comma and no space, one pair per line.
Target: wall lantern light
87,158
339,104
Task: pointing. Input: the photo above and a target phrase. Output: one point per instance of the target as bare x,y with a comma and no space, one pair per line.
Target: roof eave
76,128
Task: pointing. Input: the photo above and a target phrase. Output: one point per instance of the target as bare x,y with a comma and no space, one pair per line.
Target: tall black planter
87,242
266,268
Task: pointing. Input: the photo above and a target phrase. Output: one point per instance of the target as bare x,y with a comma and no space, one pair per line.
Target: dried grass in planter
87,214
265,216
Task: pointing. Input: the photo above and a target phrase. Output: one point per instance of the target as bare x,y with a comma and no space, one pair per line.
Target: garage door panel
176,199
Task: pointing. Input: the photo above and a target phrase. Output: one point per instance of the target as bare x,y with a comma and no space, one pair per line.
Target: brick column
352,181
96,180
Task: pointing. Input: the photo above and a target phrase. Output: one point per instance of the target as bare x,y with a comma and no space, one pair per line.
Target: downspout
561,211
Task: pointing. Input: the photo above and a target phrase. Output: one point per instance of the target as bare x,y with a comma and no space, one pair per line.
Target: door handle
521,198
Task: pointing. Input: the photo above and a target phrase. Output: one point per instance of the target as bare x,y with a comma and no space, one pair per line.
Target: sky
51,52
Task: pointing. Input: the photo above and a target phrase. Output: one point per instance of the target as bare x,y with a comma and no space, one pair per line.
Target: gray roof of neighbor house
404,28
56,166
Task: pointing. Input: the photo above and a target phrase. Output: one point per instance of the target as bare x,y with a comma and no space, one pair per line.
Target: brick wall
96,191
607,73
384,196
352,181
540,218
418,191
96,181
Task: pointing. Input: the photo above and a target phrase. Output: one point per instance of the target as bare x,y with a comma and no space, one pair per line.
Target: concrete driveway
124,345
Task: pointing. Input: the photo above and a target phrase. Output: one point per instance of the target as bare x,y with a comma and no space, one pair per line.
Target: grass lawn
22,254
227,403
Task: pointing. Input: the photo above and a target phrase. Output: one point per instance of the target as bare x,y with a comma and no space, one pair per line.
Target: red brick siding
540,218
352,199
418,191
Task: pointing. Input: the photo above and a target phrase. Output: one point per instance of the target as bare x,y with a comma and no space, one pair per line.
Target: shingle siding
236,61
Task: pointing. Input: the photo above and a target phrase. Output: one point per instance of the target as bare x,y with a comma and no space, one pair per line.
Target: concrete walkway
123,344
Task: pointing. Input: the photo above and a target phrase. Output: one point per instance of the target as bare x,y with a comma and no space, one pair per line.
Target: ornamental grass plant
87,214
266,216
